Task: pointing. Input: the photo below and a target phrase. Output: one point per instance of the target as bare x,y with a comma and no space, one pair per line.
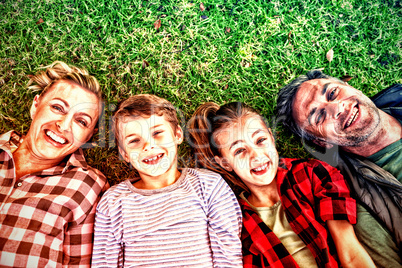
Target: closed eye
332,94
133,141
82,122
58,108
157,132
320,117
261,140
239,151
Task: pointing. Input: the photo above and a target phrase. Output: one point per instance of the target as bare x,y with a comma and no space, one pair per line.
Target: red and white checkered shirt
47,218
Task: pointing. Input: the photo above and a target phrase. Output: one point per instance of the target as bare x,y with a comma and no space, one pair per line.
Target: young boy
167,217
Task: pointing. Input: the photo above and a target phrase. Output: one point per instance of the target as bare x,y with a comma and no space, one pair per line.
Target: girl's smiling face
247,147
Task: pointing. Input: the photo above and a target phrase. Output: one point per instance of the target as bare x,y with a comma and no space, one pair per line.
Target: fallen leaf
145,64
202,8
40,21
246,64
346,78
228,30
226,87
157,24
330,55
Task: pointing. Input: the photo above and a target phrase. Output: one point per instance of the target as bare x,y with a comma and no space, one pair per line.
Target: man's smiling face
335,113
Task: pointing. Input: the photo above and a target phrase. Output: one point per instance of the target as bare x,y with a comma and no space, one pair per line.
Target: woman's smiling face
63,119
248,148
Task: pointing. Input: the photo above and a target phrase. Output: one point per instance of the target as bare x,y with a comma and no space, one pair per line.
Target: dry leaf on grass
202,8
227,30
346,78
330,55
40,21
157,24
145,64
245,64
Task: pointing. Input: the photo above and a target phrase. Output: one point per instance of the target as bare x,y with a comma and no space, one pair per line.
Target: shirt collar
9,142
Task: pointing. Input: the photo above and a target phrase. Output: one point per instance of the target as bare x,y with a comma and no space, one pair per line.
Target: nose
148,145
256,153
64,124
336,108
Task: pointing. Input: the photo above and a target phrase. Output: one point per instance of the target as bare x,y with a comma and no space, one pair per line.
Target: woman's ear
34,106
223,163
179,135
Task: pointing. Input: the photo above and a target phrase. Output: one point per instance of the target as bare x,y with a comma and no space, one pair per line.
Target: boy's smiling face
150,145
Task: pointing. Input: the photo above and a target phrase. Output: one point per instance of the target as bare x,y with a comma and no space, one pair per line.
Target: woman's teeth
55,137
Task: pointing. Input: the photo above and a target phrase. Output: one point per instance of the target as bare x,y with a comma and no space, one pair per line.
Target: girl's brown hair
202,127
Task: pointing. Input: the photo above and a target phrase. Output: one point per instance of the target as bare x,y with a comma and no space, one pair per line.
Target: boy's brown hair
144,105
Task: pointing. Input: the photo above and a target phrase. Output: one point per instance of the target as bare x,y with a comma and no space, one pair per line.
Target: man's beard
366,132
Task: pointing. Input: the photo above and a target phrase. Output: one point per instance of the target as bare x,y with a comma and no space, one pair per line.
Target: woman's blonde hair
58,70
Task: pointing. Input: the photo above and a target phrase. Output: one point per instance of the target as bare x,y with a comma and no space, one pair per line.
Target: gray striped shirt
195,222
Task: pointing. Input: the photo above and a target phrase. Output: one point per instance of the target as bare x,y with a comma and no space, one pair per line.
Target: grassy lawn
221,51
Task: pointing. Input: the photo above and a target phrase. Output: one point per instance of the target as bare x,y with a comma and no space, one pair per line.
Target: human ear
124,154
323,144
179,135
34,106
223,163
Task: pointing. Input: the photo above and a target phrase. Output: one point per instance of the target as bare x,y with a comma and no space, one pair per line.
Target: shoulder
301,169
115,191
296,163
203,175
78,169
113,196
89,178
207,181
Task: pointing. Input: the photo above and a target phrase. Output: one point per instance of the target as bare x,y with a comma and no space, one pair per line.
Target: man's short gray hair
286,95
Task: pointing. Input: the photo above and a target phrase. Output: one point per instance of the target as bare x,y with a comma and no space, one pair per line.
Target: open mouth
55,138
260,169
353,117
153,159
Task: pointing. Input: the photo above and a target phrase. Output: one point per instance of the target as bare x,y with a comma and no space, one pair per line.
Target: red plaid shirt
47,218
311,193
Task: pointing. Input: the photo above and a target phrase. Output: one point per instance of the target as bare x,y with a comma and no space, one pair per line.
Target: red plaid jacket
311,193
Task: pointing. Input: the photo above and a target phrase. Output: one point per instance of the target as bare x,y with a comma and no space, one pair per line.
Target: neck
390,131
264,196
26,163
148,182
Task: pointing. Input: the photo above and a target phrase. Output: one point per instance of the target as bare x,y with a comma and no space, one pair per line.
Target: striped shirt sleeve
107,250
225,223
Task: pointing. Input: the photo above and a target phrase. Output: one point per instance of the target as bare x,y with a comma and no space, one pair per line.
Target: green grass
241,51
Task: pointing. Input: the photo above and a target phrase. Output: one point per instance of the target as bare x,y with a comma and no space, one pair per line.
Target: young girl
295,212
